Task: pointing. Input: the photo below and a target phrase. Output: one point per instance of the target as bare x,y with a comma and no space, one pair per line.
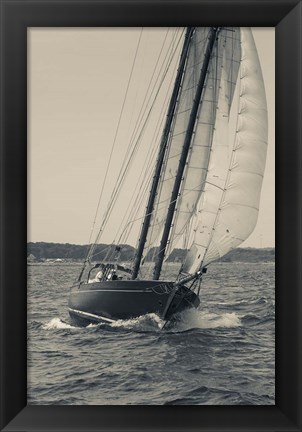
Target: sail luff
161,155
184,153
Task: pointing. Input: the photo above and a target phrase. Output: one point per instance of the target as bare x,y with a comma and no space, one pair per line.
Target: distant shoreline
58,252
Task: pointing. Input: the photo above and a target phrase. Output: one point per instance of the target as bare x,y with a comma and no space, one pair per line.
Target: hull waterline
109,301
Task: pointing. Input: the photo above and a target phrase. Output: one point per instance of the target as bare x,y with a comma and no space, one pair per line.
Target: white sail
177,135
228,47
225,58
228,215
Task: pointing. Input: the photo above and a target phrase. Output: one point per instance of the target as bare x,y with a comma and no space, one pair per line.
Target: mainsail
227,46
177,135
218,93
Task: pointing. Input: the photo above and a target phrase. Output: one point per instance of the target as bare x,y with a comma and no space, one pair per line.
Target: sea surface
221,354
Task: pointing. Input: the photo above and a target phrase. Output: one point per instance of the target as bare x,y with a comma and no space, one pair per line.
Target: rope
116,134
117,188
146,172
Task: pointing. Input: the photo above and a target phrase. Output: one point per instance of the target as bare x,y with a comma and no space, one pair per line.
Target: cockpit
101,272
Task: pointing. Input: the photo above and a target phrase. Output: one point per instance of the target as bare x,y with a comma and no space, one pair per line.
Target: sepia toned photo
151,216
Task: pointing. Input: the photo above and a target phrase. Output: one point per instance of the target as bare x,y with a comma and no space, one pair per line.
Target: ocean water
221,354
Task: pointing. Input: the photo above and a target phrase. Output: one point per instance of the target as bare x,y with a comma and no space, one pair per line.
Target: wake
187,320
57,324
196,319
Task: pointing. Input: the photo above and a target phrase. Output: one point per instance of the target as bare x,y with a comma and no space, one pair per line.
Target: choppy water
222,354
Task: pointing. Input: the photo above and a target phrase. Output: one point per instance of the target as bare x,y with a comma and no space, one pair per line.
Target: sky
77,80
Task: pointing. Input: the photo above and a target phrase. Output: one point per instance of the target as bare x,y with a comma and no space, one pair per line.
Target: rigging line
155,138
194,84
144,106
135,210
109,210
138,204
132,215
143,109
114,142
177,236
139,198
134,149
146,172
157,206
130,159
210,48
109,253
160,117
166,60
146,93
164,170
167,66
142,112
170,53
116,132
101,251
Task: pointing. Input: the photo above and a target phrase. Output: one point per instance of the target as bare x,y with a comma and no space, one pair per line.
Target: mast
162,150
187,142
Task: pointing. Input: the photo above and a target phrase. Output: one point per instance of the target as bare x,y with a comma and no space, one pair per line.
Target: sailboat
206,183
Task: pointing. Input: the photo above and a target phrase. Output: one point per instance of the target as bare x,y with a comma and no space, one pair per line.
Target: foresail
228,214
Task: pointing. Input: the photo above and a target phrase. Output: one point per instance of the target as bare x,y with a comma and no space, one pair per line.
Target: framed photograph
94,336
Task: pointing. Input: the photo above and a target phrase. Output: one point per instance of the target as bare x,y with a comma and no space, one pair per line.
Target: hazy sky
76,86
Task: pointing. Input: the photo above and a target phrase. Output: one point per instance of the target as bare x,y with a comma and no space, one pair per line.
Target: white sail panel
216,177
225,59
237,206
177,136
198,160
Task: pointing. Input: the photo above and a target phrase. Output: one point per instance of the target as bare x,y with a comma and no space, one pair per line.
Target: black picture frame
16,17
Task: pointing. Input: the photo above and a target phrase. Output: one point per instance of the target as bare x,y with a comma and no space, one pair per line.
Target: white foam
144,322
189,319
206,320
56,323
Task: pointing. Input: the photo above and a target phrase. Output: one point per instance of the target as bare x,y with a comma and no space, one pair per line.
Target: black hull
109,301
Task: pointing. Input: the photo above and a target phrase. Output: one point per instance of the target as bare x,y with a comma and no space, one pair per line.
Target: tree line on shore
65,251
